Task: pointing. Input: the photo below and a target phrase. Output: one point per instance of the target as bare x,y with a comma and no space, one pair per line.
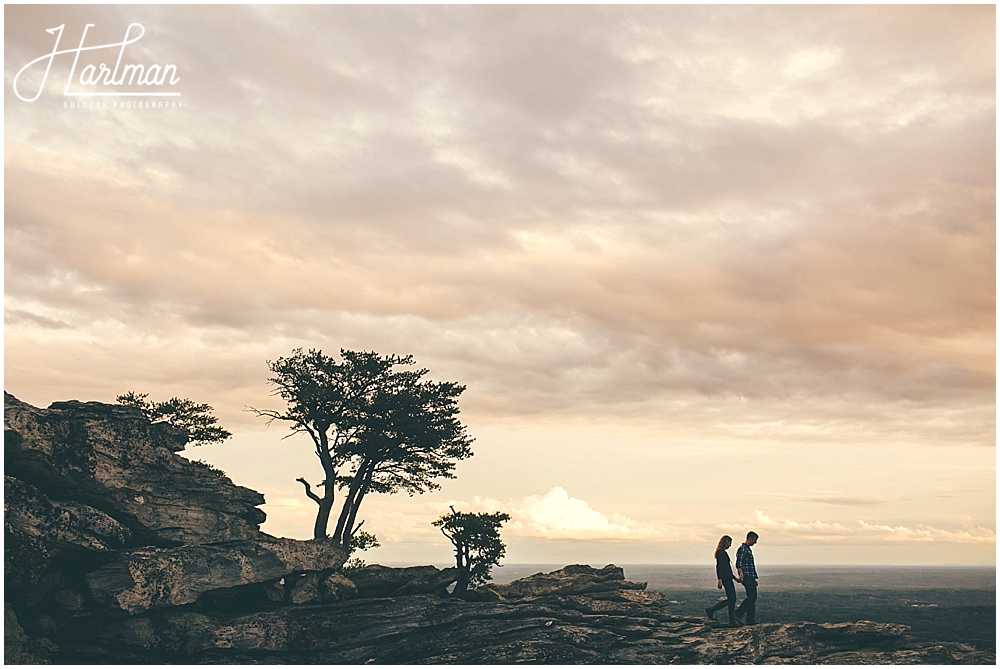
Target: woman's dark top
723,568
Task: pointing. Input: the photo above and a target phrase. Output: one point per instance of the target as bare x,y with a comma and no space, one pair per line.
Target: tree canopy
478,547
202,427
376,425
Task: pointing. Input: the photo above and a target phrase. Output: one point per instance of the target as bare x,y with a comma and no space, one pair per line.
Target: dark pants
749,605
729,601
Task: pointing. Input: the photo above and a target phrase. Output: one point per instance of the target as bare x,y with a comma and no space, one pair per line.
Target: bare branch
309,493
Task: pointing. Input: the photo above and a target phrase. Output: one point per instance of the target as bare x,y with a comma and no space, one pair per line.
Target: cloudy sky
703,269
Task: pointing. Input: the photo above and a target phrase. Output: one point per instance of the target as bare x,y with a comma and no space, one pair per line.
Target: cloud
833,498
789,531
556,515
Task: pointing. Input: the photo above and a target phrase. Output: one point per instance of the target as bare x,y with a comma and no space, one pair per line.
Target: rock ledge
117,550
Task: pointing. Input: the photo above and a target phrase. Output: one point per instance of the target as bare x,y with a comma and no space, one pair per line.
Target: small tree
197,419
476,538
361,541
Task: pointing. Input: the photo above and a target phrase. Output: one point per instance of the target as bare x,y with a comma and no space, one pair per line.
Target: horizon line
770,564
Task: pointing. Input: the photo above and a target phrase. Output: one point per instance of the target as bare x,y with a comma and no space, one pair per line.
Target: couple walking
747,576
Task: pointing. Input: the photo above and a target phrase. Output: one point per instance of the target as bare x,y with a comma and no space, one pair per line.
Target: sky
703,269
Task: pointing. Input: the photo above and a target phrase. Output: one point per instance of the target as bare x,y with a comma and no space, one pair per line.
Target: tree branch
309,493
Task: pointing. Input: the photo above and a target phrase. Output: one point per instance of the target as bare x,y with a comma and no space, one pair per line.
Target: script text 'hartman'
103,76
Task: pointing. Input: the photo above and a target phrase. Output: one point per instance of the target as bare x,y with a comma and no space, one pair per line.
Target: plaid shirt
744,561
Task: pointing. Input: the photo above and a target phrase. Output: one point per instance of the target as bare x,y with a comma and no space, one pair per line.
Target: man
748,574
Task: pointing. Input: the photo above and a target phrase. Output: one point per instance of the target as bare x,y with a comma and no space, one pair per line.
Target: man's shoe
710,613
735,623
739,617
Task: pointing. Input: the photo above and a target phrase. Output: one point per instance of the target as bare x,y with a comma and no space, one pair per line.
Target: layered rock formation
103,518
120,551
578,615
110,457
149,578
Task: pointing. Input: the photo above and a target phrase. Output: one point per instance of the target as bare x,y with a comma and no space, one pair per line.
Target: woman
724,572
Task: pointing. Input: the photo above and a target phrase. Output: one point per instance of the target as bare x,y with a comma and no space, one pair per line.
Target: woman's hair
722,543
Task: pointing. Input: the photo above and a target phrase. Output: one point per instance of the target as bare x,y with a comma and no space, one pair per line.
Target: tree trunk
366,483
342,533
329,486
323,517
462,584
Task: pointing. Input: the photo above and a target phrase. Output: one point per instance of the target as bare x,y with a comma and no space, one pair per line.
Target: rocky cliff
118,550
110,457
103,518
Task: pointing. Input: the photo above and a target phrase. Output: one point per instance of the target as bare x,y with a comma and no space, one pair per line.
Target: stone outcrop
113,459
571,624
863,642
571,580
117,550
64,525
18,648
103,519
38,530
378,581
148,578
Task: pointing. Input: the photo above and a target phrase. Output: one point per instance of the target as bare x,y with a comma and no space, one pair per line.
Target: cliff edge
118,550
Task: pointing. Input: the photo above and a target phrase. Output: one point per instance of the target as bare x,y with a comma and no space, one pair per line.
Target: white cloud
971,535
785,531
832,497
557,515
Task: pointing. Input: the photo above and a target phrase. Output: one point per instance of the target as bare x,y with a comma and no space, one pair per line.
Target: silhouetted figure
724,572
748,574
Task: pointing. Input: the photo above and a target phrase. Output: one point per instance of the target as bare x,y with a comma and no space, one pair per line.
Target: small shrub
209,467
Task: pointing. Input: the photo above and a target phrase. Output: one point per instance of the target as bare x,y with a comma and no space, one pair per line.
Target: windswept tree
409,437
202,427
478,547
376,427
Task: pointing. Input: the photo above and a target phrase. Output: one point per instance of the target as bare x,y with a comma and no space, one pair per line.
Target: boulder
37,529
571,580
62,524
18,648
150,578
337,587
306,589
111,458
301,588
378,581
